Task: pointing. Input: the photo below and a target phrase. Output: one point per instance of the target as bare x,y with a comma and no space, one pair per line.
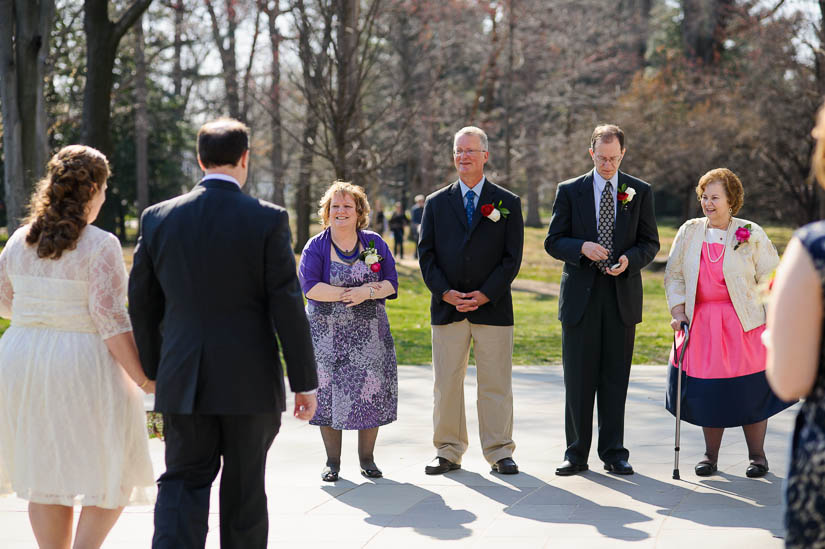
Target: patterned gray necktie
606,224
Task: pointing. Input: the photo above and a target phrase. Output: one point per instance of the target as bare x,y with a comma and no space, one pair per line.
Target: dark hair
222,142
734,191
58,208
606,133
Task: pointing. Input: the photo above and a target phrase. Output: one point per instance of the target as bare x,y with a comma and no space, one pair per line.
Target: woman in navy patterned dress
347,273
796,367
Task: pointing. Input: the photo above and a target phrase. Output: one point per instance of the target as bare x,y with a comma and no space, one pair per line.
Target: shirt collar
599,181
222,177
476,189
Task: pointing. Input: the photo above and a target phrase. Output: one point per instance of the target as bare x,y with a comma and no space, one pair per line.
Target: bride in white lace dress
72,425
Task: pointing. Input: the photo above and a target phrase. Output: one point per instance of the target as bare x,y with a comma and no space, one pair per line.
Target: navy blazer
574,222
483,255
213,282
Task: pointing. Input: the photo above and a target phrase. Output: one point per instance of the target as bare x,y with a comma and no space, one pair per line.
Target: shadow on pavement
532,498
393,504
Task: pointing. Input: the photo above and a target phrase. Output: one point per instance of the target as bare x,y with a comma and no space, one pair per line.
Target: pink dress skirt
723,379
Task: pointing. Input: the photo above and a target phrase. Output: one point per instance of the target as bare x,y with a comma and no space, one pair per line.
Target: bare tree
102,40
276,155
141,121
24,39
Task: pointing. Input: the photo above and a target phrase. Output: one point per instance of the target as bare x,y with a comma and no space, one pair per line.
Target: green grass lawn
537,330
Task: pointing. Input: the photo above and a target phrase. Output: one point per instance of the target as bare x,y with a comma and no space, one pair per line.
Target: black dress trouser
596,353
195,445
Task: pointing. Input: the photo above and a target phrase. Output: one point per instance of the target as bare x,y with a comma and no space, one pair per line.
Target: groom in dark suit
469,252
604,229
213,283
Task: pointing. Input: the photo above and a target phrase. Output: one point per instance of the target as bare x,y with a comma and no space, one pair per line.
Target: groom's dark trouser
596,354
194,447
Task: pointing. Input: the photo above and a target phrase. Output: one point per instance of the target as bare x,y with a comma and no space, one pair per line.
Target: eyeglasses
614,160
459,152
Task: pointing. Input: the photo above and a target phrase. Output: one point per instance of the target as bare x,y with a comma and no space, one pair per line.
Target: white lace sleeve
6,289
107,289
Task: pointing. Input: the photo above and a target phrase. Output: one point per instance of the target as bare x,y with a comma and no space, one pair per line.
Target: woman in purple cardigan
347,273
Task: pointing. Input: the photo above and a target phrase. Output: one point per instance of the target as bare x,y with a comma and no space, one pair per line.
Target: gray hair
472,130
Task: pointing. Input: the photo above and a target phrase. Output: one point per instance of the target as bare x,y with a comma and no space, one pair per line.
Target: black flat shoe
705,468
505,466
568,468
371,471
756,470
330,473
619,467
440,465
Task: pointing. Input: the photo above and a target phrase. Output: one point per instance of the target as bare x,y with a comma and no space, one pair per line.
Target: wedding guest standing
72,425
347,273
796,367
716,264
470,248
604,229
398,220
416,213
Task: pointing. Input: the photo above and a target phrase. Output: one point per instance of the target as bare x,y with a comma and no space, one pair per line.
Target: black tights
754,436
366,446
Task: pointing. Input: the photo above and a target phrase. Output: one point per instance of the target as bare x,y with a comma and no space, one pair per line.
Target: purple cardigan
315,260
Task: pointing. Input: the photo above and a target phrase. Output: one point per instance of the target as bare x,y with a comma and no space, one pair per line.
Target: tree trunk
141,121
703,28
277,153
102,39
25,26
533,171
303,195
226,48
346,108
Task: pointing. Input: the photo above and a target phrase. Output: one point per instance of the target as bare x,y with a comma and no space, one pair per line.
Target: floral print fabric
354,349
805,492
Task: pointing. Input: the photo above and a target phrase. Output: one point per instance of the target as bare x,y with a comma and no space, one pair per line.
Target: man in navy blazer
469,252
604,229
212,285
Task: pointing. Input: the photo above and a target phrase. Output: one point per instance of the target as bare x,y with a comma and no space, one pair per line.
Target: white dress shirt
222,177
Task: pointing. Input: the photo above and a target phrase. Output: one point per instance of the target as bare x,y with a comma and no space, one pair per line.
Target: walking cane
684,327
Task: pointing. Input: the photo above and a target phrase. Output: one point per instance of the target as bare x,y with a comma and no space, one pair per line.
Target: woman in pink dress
715,266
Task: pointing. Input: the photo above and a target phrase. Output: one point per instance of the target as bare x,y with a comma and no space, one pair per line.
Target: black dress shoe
756,470
330,473
705,468
619,467
440,465
505,466
568,468
371,471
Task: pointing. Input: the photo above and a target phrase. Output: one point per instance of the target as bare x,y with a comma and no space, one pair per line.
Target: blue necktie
470,206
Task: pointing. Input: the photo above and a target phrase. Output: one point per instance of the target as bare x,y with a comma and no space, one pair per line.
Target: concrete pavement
473,507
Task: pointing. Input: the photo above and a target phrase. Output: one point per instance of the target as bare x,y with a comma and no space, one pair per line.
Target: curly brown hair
59,205
362,205
733,187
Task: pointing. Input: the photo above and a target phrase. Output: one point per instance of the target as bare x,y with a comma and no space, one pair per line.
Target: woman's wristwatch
372,292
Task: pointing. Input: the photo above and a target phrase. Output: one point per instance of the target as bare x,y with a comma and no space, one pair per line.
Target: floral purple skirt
357,370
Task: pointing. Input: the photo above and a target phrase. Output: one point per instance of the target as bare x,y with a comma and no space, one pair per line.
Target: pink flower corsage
743,235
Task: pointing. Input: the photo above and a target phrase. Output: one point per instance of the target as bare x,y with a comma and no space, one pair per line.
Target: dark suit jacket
574,222
484,256
213,281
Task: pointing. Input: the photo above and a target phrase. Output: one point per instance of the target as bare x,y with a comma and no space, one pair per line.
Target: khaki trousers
493,347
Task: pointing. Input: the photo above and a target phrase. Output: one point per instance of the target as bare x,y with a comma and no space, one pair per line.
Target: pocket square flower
371,258
494,213
625,194
743,235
